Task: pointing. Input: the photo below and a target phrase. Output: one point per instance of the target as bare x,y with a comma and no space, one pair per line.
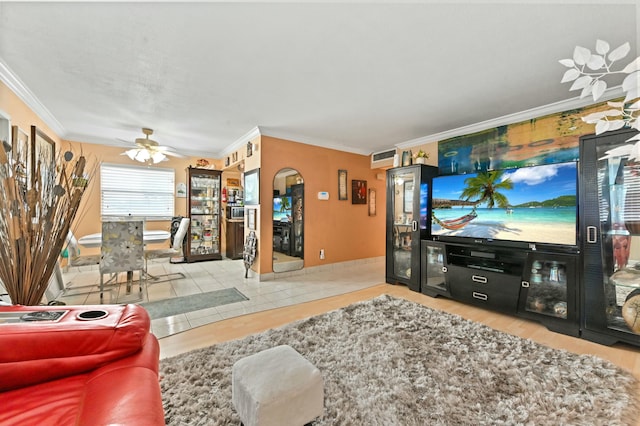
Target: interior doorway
288,221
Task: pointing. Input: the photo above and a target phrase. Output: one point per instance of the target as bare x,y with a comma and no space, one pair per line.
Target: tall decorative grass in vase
36,213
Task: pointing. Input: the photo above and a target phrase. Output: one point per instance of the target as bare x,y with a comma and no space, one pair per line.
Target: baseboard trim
270,276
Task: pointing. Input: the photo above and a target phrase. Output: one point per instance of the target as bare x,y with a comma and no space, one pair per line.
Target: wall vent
382,159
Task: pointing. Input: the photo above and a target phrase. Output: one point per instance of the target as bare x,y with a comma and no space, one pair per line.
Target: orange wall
344,230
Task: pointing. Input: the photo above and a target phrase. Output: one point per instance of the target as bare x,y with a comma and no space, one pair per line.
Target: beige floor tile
284,289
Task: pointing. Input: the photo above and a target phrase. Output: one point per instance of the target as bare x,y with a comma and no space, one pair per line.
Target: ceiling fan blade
173,154
126,142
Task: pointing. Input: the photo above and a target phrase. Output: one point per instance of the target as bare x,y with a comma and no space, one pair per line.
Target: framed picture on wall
251,219
21,155
43,151
342,185
252,187
372,202
358,192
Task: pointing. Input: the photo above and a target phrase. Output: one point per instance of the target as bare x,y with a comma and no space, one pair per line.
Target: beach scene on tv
531,204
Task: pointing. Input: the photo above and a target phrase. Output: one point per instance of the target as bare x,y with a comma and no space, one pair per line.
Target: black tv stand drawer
486,288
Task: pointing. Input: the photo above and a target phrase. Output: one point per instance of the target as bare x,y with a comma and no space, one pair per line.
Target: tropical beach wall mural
535,204
549,139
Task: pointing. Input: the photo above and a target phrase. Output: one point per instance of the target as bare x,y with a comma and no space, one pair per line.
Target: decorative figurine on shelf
406,158
421,157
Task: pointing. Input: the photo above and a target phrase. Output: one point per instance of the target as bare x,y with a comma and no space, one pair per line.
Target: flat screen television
534,205
282,208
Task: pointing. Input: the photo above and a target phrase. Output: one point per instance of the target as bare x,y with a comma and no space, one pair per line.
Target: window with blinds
137,191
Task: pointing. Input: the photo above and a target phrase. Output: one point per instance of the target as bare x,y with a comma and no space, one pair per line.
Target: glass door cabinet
433,269
610,229
548,293
407,222
204,211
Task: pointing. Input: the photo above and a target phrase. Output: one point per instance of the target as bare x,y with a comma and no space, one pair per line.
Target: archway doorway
288,221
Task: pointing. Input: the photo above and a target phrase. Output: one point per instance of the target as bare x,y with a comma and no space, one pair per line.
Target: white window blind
137,191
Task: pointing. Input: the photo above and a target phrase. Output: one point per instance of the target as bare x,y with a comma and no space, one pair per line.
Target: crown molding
241,141
312,141
517,117
14,83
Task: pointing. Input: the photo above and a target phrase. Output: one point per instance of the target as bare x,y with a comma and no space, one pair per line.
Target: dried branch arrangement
35,216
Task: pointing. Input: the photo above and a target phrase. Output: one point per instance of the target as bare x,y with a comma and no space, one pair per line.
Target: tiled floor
284,289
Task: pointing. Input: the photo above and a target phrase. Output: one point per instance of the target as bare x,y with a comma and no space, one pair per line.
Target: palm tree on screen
485,187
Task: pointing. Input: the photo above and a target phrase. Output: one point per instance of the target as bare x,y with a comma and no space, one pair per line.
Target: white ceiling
357,76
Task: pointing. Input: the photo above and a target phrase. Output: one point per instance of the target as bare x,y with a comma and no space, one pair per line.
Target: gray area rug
389,361
193,302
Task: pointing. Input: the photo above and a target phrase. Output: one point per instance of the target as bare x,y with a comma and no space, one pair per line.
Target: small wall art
43,151
372,202
342,185
251,219
252,187
181,190
358,191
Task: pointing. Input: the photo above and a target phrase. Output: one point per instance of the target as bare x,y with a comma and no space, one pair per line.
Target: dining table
149,237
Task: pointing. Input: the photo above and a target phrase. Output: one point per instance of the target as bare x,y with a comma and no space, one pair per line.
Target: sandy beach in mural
530,228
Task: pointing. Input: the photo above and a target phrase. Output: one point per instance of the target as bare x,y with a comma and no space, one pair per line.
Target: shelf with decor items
610,212
204,211
407,222
549,291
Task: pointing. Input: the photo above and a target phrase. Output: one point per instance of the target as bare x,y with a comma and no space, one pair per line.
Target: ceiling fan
149,151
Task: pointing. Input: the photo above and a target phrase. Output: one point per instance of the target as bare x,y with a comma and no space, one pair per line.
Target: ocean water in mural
536,225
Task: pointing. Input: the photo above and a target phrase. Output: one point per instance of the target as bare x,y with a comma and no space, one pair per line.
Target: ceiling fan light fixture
142,156
131,153
149,151
158,157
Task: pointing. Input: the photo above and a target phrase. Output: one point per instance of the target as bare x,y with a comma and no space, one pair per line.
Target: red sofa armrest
46,350
123,392
126,391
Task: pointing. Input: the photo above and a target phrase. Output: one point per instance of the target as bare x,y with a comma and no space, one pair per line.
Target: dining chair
122,250
174,253
74,258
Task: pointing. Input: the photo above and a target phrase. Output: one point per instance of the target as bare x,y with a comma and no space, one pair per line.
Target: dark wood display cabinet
204,211
408,219
234,238
610,225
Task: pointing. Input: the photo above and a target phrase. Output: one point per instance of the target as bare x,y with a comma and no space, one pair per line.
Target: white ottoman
277,386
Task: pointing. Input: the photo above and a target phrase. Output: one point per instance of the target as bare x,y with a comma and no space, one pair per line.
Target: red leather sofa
78,365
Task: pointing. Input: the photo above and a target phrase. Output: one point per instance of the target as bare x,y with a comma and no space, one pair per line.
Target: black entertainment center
572,266
537,285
